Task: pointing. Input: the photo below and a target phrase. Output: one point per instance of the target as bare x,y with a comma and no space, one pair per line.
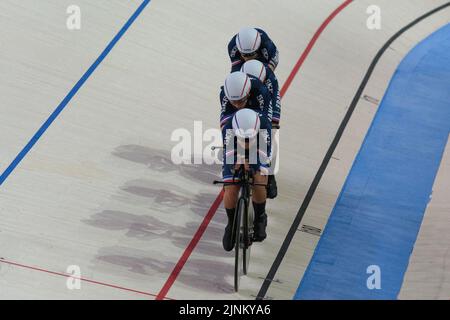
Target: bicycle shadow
143,263
165,197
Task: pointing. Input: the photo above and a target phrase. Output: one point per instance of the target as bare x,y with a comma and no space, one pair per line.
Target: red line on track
66,275
311,44
197,236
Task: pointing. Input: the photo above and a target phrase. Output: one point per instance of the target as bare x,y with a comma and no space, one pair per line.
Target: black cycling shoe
260,225
228,239
272,190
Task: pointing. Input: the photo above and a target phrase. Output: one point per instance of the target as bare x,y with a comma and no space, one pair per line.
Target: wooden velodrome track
97,189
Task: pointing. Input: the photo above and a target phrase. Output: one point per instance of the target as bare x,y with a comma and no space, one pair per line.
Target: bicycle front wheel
247,236
239,243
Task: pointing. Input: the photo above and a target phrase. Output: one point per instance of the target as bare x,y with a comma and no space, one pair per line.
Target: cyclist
262,71
249,44
267,76
246,108
243,91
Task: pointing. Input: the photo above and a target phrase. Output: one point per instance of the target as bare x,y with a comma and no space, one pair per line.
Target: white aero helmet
246,123
237,86
255,68
248,40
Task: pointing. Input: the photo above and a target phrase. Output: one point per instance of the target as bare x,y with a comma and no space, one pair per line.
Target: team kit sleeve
264,99
275,56
235,55
228,153
226,115
227,110
269,50
276,98
265,136
265,146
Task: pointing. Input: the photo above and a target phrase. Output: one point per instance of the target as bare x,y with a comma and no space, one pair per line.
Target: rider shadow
149,228
170,196
160,161
195,273
159,196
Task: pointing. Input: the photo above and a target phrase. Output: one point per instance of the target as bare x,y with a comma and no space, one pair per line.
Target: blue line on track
71,94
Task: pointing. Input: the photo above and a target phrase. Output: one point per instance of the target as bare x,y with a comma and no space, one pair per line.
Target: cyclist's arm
235,55
265,142
267,45
227,111
276,103
265,103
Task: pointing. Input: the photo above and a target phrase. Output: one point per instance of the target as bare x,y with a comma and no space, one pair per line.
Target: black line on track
312,189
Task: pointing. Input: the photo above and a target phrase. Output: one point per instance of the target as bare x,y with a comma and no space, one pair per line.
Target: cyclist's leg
272,189
259,192
229,199
259,205
266,155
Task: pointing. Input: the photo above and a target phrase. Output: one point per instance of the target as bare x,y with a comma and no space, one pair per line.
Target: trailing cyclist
249,44
267,76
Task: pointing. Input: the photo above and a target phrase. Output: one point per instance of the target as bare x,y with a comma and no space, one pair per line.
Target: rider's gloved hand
246,166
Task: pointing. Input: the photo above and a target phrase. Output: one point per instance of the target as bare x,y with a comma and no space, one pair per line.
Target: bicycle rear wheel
239,241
